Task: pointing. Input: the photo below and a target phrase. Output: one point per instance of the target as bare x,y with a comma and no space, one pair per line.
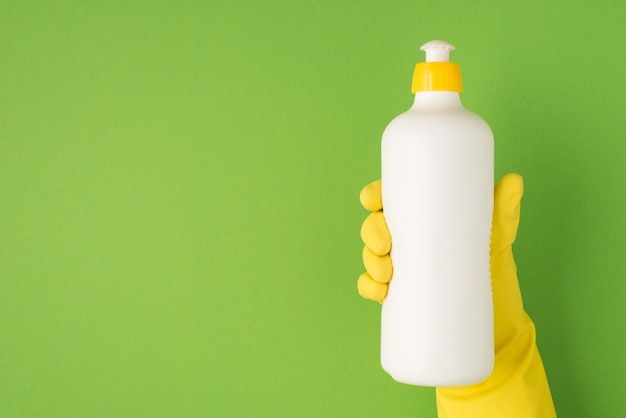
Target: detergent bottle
437,191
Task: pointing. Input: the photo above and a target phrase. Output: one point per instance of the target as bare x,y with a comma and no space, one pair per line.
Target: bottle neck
437,99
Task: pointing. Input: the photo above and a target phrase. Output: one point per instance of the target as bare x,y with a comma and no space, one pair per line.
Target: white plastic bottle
437,189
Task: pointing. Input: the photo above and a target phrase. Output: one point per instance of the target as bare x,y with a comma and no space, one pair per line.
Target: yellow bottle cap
437,73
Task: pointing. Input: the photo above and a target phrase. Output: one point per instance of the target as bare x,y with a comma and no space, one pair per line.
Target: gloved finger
375,234
509,316
379,268
371,289
506,212
371,196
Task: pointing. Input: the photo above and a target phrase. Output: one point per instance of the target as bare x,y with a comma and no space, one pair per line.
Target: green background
179,216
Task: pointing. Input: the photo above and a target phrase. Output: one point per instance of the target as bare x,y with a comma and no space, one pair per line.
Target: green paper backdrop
179,215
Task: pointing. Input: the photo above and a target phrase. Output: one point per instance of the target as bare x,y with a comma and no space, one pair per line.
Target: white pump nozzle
437,51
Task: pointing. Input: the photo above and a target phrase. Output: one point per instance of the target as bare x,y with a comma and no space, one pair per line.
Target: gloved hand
517,387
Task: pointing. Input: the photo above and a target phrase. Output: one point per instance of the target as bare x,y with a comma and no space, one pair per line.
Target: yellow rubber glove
517,387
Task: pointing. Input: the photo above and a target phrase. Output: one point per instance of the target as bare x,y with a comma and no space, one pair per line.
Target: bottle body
437,185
